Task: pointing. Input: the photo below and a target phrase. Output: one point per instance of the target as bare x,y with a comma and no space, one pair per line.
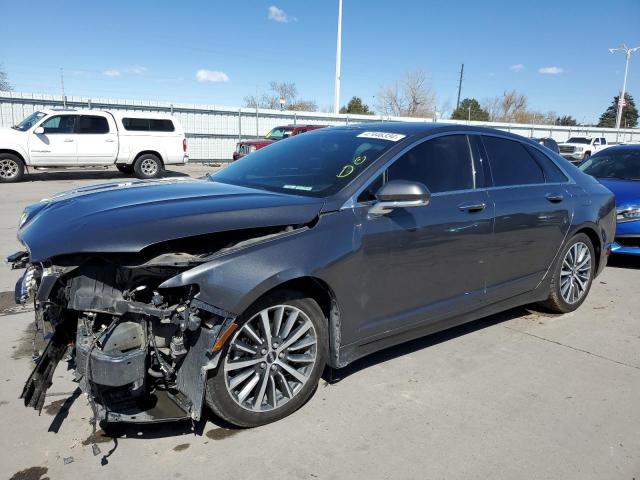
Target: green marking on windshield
349,168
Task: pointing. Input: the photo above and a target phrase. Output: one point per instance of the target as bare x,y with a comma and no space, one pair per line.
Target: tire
586,156
276,392
560,299
124,168
147,166
11,168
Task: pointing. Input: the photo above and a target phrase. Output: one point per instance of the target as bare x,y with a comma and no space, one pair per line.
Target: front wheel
572,276
273,362
586,156
11,168
147,166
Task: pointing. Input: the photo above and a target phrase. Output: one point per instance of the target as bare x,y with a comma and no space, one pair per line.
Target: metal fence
213,130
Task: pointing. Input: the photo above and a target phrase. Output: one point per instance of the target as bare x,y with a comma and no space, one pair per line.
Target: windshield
279,133
621,164
316,164
30,121
579,140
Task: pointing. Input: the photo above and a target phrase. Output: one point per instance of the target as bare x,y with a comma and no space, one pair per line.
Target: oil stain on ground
98,437
181,447
54,407
24,345
31,473
221,433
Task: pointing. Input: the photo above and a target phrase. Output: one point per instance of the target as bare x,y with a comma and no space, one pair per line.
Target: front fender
235,280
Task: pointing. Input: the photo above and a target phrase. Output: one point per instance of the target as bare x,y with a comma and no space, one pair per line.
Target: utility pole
460,86
628,51
336,97
64,97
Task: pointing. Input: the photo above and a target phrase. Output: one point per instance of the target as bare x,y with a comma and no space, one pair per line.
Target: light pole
282,102
336,96
628,51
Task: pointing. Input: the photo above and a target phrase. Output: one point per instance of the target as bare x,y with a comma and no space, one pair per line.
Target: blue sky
155,49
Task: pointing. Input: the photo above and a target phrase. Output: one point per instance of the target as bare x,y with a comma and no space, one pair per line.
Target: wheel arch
148,152
323,294
592,233
14,152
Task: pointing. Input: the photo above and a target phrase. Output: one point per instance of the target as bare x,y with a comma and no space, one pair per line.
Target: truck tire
147,166
124,168
586,156
11,168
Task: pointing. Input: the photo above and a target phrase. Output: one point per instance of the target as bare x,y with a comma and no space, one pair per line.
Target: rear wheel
147,166
11,168
273,362
572,276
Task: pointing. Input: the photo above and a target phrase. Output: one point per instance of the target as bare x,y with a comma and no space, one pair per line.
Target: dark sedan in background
236,290
618,169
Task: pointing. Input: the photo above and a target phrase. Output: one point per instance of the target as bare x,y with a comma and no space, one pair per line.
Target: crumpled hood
129,216
626,191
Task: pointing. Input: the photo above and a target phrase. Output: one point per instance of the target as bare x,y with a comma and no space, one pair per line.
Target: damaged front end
141,353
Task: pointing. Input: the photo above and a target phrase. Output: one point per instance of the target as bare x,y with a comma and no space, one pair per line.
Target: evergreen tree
629,114
470,109
356,106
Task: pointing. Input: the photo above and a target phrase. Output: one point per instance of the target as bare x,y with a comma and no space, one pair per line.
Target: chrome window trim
352,202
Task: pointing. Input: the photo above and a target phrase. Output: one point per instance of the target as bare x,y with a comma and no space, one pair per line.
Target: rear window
148,125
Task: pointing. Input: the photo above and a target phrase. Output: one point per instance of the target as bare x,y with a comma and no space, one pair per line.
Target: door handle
110,140
68,140
554,197
472,207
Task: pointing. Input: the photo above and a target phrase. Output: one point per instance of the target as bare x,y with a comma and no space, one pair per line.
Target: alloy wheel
8,168
575,274
270,358
149,167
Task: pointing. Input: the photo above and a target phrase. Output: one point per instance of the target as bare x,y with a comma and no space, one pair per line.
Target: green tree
5,86
629,114
470,109
566,121
356,107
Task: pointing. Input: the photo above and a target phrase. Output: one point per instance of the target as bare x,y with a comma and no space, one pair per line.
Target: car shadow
333,376
101,175
624,261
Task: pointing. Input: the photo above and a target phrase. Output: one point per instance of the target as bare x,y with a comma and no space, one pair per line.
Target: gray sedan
236,290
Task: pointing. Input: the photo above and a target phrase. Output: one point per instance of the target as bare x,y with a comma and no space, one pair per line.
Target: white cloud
138,70
118,72
211,76
278,15
517,67
550,70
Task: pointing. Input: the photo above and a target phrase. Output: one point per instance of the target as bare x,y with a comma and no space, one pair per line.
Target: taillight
184,145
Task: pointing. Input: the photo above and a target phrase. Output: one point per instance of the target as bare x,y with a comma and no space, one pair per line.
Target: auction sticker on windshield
392,137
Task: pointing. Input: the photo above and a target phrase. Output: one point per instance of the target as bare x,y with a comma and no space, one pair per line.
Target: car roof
627,146
115,113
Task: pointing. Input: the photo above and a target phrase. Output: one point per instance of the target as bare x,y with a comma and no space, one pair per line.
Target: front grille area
567,149
628,241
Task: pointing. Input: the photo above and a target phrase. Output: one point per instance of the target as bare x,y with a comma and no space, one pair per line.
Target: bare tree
286,91
5,86
510,107
412,96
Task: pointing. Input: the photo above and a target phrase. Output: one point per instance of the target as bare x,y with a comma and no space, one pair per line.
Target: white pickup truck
136,143
578,149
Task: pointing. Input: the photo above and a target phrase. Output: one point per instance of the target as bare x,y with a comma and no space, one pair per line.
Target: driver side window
443,164
59,124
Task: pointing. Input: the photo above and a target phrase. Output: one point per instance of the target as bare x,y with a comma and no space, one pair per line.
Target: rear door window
148,124
552,172
92,124
510,162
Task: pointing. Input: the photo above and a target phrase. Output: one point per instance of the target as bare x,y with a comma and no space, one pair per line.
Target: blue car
618,169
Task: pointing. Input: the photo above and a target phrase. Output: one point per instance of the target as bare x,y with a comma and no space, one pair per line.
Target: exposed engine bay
141,352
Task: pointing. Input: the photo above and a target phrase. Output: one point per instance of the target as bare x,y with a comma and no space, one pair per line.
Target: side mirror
39,131
400,194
